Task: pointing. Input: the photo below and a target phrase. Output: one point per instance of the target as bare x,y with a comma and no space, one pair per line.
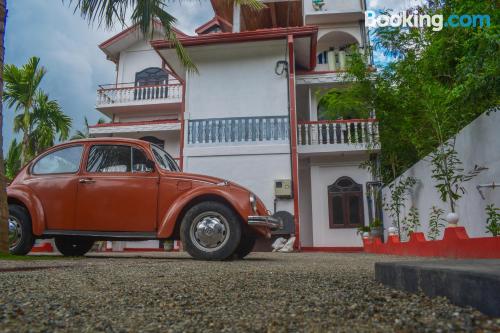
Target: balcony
339,136
128,96
235,131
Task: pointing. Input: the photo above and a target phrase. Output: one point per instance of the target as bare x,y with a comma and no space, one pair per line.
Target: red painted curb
331,249
455,244
45,247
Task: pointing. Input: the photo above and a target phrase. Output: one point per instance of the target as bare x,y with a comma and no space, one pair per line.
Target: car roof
104,140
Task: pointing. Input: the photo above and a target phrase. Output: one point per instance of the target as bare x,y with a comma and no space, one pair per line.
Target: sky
68,48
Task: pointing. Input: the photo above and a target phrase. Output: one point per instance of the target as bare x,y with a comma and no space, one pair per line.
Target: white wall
237,80
136,58
477,144
324,172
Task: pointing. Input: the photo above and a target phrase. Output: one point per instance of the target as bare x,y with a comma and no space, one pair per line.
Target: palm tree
47,123
4,211
13,160
86,133
143,14
21,89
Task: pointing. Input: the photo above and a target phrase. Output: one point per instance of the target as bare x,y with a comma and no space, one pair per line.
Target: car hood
199,178
207,179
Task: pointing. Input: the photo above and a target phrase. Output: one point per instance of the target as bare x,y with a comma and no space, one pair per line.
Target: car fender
167,224
29,199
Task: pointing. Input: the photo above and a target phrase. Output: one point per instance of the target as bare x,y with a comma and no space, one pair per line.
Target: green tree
437,82
21,88
46,124
85,133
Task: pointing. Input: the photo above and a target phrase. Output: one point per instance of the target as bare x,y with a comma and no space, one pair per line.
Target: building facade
251,113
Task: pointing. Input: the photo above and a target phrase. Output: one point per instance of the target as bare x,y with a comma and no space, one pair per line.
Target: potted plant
376,228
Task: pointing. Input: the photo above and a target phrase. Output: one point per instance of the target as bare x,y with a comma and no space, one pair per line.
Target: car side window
140,161
66,160
109,158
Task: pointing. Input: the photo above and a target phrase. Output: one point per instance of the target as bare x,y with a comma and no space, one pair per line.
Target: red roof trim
136,123
224,25
131,29
240,37
213,22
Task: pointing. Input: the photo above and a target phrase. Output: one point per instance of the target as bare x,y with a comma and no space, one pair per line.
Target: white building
242,118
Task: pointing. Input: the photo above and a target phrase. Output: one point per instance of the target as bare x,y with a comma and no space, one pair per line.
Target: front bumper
265,221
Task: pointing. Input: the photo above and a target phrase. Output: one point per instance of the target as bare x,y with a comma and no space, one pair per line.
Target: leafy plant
412,222
436,223
376,223
362,230
449,174
493,220
399,191
13,159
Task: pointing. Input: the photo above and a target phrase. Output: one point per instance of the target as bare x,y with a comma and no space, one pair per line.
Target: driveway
269,292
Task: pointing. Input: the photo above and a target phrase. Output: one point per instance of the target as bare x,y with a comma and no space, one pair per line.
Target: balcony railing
128,93
238,130
349,132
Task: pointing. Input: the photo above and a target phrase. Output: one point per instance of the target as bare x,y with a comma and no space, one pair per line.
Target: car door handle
86,181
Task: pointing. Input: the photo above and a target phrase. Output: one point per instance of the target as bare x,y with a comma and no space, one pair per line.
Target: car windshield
163,158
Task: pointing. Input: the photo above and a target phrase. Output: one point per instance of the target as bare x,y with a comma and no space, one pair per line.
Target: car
118,189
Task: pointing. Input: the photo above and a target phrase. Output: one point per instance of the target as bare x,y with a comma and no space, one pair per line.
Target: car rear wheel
73,246
246,246
210,231
21,237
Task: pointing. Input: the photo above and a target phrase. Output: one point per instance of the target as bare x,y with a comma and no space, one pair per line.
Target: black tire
210,243
20,219
73,246
246,246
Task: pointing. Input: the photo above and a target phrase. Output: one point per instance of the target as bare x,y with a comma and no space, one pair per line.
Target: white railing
128,93
238,130
356,131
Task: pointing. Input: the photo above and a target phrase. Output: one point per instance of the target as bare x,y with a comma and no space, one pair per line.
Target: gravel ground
264,293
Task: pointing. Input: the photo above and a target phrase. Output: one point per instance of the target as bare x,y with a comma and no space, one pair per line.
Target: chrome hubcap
209,231
15,232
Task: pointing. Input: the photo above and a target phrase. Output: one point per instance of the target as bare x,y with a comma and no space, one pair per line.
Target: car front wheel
21,237
210,231
246,246
73,246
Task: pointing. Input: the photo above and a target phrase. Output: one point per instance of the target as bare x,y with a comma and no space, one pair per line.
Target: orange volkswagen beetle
124,189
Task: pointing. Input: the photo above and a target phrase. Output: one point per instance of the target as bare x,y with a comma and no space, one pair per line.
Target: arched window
151,76
345,204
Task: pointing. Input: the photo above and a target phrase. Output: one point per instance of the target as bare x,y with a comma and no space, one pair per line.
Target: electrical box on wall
283,189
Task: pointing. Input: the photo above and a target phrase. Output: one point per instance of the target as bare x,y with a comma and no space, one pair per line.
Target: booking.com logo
437,22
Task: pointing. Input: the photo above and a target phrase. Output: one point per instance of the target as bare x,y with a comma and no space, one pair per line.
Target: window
345,204
140,161
66,160
152,76
165,161
117,158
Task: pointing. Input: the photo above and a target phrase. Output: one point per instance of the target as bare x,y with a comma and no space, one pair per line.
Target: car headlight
253,202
